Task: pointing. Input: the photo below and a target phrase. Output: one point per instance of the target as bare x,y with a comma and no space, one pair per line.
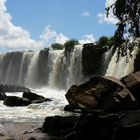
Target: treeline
69,45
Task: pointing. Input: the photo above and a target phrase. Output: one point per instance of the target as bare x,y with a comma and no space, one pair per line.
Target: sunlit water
35,112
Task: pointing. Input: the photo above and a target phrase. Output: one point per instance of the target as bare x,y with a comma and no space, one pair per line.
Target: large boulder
132,81
16,101
104,93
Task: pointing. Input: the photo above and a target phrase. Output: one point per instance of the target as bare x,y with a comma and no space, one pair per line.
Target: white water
52,69
30,80
36,112
123,67
75,69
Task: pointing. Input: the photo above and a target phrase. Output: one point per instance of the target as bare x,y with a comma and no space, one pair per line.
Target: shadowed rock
16,101
104,93
32,96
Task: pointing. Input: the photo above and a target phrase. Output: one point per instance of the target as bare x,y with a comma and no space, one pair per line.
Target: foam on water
35,112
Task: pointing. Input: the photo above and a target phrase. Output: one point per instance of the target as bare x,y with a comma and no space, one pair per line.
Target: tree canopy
128,27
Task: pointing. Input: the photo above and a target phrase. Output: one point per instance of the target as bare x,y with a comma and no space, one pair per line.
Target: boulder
104,93
32,96
58,125
16,101
132,82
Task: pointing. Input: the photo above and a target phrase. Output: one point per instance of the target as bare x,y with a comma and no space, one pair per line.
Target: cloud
16,38
86,13
88,38
11,36
50,36
111,19
109,2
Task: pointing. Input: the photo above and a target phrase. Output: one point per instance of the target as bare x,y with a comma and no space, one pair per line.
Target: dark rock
132,81
16,101
41,101
59,126
97,126
32,96
2,96
104,93
129,126
137,62
2,93
92,59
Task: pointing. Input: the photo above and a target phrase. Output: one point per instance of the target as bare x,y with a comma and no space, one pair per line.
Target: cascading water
56,58
122,67
50,68
75,69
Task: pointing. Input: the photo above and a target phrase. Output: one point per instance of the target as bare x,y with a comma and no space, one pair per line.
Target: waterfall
56,57
31,76
75,69
24,67
106,59
122,67
48,68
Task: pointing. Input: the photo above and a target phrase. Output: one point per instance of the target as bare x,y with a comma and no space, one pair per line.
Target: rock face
108,94
132,82
16,101
92,59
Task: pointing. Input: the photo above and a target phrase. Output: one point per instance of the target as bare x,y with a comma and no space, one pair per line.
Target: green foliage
128,26
69,45
103,41
57,46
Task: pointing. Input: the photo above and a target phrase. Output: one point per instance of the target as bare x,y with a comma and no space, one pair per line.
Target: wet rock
16,101
132,81
41,101
32,96
104,93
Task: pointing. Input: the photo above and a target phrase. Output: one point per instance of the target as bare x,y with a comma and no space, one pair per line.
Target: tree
103,41
69,45
57,46
128,14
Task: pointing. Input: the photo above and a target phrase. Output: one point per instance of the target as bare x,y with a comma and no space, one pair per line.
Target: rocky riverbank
102,108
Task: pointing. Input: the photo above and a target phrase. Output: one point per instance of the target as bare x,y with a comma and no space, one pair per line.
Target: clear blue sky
64,16
72,18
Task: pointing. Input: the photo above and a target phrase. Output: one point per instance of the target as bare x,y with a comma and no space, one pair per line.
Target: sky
35,24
